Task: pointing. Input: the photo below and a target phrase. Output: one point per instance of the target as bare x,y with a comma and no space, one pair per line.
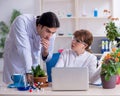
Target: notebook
70,78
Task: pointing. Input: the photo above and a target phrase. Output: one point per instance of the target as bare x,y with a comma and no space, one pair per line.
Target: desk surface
93,90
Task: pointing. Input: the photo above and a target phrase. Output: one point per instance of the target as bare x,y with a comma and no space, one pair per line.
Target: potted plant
39,76
110,68
112,31
4,29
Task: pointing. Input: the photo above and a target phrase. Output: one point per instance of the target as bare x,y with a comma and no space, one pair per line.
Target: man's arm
48,47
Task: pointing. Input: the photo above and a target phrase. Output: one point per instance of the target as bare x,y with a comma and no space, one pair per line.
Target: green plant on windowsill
4,28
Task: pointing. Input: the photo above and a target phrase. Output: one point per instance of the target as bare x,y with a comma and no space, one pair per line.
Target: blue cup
18,79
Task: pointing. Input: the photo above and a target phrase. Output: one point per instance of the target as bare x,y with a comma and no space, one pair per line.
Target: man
29,39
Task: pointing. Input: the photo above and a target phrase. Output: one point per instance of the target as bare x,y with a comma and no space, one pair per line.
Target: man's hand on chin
45,43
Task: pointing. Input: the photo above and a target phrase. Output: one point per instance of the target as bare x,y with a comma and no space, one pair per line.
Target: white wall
116,5
24,6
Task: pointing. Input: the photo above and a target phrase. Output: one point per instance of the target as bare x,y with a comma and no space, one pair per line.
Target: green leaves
4,28
38,72
111,62
110,69
118,70
112,31
15,13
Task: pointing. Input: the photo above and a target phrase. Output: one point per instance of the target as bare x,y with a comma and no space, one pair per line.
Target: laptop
70,78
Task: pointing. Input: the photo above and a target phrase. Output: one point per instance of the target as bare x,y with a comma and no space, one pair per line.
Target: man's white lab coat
23,47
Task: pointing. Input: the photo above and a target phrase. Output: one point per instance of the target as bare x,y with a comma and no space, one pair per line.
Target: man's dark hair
48,19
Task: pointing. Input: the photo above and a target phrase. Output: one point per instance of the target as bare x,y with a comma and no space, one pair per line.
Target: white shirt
23,47
69,58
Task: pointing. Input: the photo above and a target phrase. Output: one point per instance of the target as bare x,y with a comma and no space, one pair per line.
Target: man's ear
41,26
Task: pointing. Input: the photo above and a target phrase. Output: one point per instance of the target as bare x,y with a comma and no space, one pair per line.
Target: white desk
93,91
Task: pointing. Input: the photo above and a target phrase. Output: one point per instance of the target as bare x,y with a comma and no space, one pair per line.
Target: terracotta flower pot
108,84
42,80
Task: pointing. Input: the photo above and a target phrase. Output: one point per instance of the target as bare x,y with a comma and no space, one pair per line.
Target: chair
51,64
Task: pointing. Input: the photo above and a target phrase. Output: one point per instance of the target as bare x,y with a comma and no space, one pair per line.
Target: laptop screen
70,78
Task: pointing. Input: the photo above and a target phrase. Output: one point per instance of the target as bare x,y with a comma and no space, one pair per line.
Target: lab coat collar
75,54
